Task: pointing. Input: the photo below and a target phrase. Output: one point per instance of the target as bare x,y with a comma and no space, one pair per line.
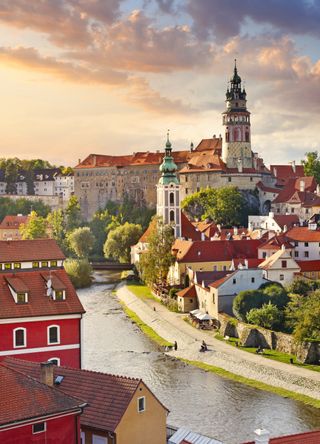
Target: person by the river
175,345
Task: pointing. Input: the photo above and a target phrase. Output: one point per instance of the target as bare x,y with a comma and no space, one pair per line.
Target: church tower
236,146
168,192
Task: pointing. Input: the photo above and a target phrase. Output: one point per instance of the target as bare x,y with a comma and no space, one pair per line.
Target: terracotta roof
55,281
270,261
210,144
17,284
30,250
39,304
13,222
303,234
204,161
263,187
286,219
215,251
221,281
189,292
309,265
135,159
145,236
299,438
276,242
108,396
251,262
19,393
207,277
188,230
285,172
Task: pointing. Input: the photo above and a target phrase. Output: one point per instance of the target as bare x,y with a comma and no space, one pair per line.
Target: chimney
261,436
240,166
302,186
203,236
271,215
46,373
246,264
79,161
94,159
293,164
285,228
235,231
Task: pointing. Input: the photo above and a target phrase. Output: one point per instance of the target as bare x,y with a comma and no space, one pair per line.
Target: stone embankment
172,327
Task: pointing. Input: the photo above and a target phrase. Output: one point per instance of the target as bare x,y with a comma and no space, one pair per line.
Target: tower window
171,216
227,137
247,136
171,198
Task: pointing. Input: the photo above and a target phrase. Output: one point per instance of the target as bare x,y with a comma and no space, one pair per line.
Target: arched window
227,137
237,135
247,137
55,361
171,216
53,334
19,337
171,198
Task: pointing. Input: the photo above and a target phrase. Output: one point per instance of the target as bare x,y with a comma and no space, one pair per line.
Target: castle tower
236,146
168,192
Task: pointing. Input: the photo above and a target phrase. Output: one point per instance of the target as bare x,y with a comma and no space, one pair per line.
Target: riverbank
277,377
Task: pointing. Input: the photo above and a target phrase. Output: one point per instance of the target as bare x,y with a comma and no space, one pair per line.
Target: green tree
81,241
303,316
34,228
119,241
79,272
277,295
302,287
73,214
155,262
311,165
99,228
56,225
224,205
268,316
247,300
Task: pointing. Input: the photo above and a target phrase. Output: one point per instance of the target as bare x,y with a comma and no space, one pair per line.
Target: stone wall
252,336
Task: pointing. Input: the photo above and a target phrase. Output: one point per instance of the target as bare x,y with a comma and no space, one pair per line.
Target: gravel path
172,327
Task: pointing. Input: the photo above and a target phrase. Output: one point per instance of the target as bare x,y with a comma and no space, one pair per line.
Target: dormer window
35,264
53,263
22,298
7,266
18,289
44,264
17,265
59,295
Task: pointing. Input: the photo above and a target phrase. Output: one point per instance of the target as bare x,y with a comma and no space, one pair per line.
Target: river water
202,401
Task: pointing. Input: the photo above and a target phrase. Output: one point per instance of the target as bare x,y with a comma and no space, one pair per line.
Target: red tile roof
188,230
285,172
216,251
263,187
189,292
108,396
23,398
303,234
39,304
210,144
276,242
299,438
145,236
306,266
207,277
30,250
217,283
287,220
12,222
17,284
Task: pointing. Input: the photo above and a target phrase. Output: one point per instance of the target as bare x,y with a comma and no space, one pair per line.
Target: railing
171,430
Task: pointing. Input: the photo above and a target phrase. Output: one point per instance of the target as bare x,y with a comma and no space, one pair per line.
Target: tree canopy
119,241
311,165
81,241
225,205
34,228
268,316
303,316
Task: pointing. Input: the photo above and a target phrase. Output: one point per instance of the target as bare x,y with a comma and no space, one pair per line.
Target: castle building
168,192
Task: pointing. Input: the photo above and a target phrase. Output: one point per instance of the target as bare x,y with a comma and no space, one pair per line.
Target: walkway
172,327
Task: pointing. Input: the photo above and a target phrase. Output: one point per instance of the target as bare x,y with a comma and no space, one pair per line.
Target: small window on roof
21,298
7,266
17,265
141,404
35,264
53,263
59,295
44,263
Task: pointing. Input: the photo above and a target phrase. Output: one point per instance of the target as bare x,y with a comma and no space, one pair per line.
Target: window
296,254
171,198
141,404
44,264
53,334
59,295
7,266
53,263
229,179
251,179
264,254
19,337
281,277
306,254
283,264
17,265
187,191
252,279
39,427
21,298
306,244
55,361
234,281
35,264
191,301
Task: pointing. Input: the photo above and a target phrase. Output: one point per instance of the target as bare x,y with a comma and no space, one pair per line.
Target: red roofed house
120,410
40,316
9,227
34,411
306,241
263,437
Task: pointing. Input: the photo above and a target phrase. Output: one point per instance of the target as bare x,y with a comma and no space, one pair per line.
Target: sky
111,76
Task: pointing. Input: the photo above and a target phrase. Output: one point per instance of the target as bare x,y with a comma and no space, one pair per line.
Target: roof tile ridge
80,370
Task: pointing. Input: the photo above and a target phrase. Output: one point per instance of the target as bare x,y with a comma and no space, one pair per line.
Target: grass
255,384
148,331
274,355
141,291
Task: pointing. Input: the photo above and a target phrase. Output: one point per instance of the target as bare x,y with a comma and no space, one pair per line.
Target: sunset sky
111,76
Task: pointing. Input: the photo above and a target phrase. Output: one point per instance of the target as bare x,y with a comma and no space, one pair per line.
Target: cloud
223,19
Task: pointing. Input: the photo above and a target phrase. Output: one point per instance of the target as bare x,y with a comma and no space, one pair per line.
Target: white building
64,185
280,267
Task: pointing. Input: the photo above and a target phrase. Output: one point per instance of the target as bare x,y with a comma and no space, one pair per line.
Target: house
309,269
34,411
274,244
209,256
262,436
40,316
273,222
280,267
187,299
120,410
63,185
306,241
9,227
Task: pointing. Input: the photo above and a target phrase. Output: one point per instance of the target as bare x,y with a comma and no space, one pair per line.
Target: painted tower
168,192
236,147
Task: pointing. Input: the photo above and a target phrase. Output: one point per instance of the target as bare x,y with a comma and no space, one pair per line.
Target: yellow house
216,255
9,227
120,410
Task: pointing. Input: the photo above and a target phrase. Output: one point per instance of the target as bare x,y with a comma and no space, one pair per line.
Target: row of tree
295,309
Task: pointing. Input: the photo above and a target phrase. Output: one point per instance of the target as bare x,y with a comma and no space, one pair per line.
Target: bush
173,293
268,316
79,272
302,287
277,295
246,300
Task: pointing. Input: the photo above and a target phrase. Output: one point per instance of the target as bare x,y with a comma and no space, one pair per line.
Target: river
202,401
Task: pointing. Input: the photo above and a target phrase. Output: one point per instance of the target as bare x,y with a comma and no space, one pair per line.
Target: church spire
168,167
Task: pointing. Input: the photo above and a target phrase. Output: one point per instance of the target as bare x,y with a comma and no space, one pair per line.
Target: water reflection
203,401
